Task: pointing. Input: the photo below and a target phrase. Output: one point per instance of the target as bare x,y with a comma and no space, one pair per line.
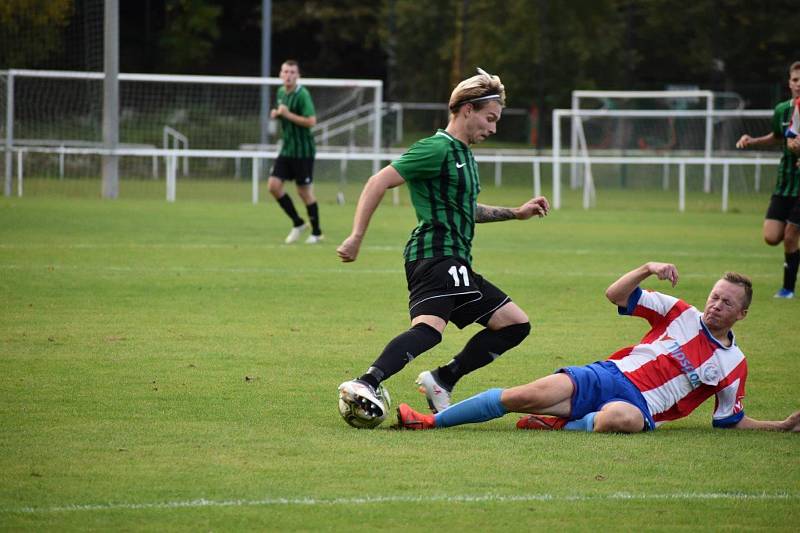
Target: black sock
400,351
287,205
313,217
790,270
483,348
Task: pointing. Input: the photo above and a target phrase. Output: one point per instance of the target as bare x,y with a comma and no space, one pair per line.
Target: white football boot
294,234
438,397
314,239
358,393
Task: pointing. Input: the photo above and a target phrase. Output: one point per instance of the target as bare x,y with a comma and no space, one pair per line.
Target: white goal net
651,139
55,117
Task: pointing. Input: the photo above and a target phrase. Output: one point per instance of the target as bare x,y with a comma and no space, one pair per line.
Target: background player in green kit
295,109
442,178
782,222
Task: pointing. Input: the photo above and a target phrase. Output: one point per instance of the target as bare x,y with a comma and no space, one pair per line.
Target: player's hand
794,145
273,113
348,250
664,271
744,141
282,110
538,206
792,422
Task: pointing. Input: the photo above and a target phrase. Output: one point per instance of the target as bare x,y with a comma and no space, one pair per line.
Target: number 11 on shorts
456,271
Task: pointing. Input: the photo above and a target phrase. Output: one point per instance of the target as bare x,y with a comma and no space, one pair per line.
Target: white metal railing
536,161
174,139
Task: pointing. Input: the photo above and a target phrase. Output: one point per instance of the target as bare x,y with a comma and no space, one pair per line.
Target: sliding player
686,357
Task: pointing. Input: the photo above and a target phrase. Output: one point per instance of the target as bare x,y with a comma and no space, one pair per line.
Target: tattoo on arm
488,213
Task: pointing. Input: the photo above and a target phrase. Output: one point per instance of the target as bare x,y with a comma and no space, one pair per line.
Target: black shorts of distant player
784,208
297,169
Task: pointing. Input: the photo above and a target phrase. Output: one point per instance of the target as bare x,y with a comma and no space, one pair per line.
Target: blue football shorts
600,383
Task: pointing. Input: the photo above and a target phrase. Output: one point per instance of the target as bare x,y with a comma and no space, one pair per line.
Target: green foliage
31,30
544,49
174,366
191,30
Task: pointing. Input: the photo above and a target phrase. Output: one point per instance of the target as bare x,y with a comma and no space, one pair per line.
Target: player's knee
427,336
515,333
773,240
619,421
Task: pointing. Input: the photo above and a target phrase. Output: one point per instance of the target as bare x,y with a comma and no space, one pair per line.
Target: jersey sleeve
307,105
651,305
728,408
422,161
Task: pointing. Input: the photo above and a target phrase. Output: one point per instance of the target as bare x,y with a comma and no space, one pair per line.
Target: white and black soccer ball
355,415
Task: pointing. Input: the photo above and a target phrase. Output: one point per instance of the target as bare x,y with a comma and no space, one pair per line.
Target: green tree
189,35
31,30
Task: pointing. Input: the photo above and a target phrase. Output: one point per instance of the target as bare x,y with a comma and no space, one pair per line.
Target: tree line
542,49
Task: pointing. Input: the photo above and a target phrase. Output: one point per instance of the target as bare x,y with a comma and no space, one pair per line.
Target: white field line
466,498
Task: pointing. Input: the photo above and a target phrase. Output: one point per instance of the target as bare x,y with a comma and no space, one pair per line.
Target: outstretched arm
368,202
538,206
619,291
791,423
765,141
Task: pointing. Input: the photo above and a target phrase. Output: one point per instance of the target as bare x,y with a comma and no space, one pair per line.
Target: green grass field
174,367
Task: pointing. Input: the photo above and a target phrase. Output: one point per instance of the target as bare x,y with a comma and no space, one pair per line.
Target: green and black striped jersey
788,183
297,140
443,182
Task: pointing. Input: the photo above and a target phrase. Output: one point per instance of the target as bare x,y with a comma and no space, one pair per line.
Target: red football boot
546,423
407,418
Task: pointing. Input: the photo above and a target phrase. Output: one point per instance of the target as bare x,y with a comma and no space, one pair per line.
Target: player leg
506,327
782,214
282,171
791,240
617,417
424,334
548,395
773,231
305,189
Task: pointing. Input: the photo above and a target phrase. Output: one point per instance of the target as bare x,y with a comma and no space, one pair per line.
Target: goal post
678,99
621,140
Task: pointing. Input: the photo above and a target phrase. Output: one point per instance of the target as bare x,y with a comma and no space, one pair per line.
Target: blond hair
477,90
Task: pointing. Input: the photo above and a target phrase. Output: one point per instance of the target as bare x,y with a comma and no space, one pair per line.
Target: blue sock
479,408
584,424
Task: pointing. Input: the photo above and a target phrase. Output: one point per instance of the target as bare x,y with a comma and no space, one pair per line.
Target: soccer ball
355,415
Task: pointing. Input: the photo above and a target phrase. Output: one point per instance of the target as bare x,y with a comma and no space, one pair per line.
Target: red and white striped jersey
678,364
